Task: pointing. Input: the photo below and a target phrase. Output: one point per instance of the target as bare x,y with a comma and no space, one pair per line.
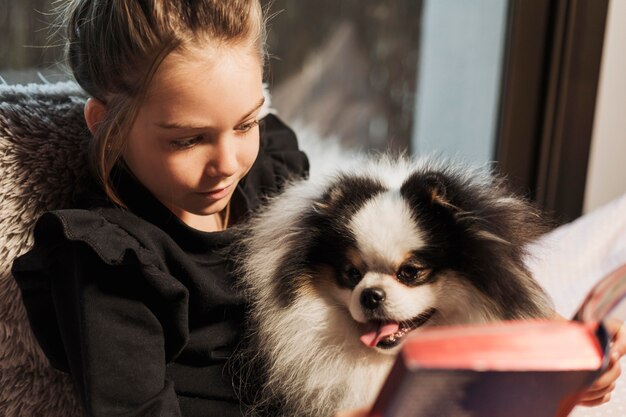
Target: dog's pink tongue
377,332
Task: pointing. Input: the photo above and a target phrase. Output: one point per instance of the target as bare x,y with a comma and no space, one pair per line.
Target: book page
603,298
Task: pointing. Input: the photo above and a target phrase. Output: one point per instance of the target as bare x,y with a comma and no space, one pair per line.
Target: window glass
460,72
28,52
347,68
404,74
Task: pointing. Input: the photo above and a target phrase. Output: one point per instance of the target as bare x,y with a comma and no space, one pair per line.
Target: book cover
515,369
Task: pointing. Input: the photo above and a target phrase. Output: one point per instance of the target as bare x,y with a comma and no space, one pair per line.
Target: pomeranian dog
339,269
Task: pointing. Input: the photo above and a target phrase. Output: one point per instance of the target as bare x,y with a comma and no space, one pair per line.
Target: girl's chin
184,211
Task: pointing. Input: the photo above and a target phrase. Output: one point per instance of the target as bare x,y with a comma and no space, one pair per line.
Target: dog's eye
353,274
409,274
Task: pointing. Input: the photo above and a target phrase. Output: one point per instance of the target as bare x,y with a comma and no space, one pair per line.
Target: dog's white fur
310,364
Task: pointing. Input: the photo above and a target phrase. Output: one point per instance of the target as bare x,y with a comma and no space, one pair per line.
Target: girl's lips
217,193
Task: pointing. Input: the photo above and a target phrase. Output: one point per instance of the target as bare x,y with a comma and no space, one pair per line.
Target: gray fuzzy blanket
42,155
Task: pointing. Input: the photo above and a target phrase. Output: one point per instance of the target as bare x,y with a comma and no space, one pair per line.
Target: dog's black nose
372,297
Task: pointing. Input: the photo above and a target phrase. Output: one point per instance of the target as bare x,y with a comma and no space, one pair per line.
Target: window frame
550,80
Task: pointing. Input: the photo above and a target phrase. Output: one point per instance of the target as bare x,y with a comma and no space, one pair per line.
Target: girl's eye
246,127
185,143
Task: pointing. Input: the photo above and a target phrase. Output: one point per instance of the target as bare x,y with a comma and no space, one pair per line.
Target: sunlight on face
196,135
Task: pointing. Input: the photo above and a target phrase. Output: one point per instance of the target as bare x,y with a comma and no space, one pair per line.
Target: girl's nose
223,161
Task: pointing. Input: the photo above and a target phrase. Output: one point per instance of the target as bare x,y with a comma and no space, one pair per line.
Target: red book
525,368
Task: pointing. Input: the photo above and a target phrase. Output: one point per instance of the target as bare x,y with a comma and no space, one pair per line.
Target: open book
525,368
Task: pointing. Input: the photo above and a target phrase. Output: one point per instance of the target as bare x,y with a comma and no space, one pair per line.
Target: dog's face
385,266
395,260
387,282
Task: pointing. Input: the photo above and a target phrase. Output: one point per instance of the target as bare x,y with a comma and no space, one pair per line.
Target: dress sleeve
95,308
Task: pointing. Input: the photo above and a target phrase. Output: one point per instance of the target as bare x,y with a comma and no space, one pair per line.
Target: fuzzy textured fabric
42,155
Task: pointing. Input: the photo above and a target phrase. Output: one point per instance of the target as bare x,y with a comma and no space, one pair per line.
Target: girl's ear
94,113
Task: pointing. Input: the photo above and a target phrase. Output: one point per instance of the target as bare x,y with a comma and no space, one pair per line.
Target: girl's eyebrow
259,104
191,126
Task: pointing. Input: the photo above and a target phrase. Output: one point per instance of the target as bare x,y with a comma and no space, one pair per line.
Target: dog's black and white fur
340,268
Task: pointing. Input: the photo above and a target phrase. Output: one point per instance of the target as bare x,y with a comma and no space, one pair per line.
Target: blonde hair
114,47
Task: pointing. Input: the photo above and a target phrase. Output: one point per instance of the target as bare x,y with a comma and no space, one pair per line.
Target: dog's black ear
426,188
435,185
330,197
347,193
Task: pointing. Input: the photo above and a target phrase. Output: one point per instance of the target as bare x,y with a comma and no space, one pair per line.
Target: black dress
137,306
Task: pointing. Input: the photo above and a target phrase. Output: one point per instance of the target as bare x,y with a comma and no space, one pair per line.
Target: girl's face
196,134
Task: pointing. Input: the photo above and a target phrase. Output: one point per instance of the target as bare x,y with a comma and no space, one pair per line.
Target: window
511,81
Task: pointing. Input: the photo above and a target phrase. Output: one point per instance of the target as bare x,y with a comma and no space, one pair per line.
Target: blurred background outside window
483,80
348,69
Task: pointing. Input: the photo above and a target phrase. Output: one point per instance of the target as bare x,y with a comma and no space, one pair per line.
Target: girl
129,290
